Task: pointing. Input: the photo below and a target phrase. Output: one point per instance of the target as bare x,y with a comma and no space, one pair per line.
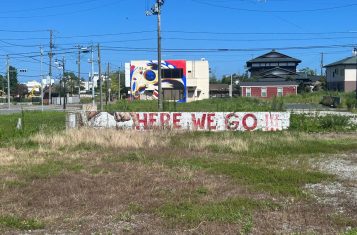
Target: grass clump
46,169
287,182
233,210
20,223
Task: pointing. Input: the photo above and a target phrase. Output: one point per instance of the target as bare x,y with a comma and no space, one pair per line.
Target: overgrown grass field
159,182
245,104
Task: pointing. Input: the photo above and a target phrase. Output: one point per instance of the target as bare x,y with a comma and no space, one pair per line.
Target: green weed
20,223
287,182
45,170
231,210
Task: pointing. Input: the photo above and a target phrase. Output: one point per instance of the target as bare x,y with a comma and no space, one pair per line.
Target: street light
61,65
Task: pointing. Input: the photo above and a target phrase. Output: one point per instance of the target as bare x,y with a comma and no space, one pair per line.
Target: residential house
272,74
342,75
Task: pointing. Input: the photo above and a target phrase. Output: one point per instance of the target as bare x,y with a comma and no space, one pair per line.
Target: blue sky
223,26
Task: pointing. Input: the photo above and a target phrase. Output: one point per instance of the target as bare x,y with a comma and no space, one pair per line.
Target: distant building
33,86
268,88
274,63
341,75
89,84
182,81
219,90
272,74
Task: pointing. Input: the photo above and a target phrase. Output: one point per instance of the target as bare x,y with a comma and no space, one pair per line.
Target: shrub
351,101
277,104
316,123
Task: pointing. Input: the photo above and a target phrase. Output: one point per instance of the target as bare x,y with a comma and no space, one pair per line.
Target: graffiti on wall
200,121
144,78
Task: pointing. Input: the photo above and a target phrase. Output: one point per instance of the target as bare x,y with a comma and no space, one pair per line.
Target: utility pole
64,83
79,71
41,78
107,85
92,75
156,10
119,98
8,81
355,56
231,91
50,54
322,64
100,79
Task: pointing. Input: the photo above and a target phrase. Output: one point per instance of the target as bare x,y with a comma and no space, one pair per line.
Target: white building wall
350,73
197,80
33,85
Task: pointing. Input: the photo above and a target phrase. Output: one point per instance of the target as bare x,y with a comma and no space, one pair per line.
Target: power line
275,11
61,14
50,7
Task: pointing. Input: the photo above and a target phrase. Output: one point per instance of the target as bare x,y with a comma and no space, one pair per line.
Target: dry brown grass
224,141
13,156
106,138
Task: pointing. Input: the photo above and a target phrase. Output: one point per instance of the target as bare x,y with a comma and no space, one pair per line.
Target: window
172,73
248,92
264,92
280,91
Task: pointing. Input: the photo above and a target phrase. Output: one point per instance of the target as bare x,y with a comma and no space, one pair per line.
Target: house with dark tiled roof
272,74
272,63
342,75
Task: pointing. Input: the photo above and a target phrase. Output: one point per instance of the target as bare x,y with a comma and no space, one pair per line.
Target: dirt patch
340,196
345,169
86,203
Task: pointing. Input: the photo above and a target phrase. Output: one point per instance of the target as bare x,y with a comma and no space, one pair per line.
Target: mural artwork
144,78
198,121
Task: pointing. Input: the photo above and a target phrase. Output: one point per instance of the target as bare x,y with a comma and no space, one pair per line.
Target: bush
351,101
331,101
304,122
277,104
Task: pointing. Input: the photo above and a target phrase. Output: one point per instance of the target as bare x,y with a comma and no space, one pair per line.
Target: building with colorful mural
182,81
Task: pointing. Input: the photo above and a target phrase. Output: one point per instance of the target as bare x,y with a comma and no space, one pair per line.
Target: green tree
21,90
114,83
13,80
213,78
308,71
71,83
2,85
